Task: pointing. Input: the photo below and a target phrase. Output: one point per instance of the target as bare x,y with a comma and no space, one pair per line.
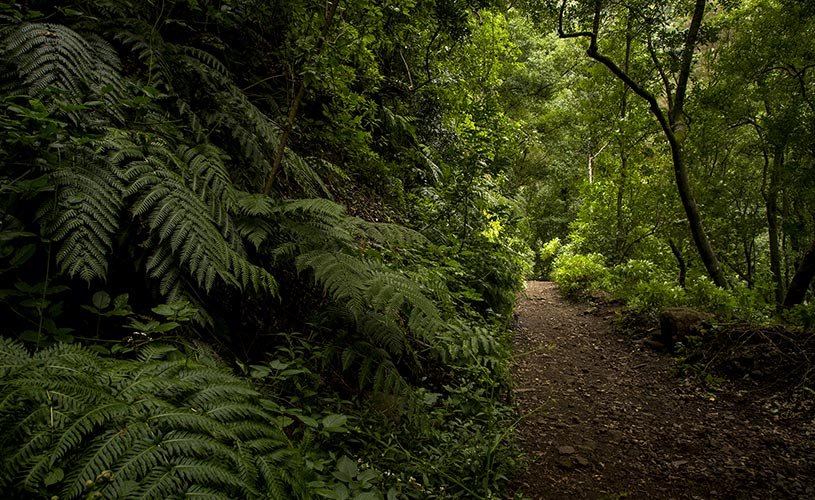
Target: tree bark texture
683,268
620,241
772,223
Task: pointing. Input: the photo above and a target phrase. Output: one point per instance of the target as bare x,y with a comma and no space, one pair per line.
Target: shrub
577,274
645,287
648,297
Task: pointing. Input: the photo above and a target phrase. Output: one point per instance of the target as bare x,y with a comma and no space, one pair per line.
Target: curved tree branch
674,125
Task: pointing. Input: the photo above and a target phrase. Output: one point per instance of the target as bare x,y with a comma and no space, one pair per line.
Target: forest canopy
271,249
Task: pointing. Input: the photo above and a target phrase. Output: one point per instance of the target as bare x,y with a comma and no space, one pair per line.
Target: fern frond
252,431
205,58
208,177
147,432
86,424
236,411
273,477
179,443
105,449
342,276
186,197
259,138
316,209
53,56
384,233
193,120
378,371
198,492
147,46
12,356
303,173
84,215
193,471
255,204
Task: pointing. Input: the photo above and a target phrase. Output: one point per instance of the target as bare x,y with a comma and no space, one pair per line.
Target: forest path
609,421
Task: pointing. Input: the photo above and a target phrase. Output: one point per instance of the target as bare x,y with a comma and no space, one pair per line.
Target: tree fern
48,57
182,70
185,198
84,214
153,428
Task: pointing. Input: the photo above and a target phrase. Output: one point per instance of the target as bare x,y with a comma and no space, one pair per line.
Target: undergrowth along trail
608,420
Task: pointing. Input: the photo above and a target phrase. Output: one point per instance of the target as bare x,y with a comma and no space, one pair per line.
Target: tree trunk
694,216
679,127
683,268
772,224
620,241
801,279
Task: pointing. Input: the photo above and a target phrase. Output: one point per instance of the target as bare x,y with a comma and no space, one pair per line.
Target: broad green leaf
335,423
347,469
101,300
23,255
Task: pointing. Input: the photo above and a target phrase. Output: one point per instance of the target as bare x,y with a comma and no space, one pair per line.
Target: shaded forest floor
609,420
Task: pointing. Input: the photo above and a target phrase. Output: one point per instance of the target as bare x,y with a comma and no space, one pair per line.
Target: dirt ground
607,419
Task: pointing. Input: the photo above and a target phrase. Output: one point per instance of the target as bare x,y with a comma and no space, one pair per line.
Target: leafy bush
802,315
644,286
546,257
648,297
636,271
577,274
703,294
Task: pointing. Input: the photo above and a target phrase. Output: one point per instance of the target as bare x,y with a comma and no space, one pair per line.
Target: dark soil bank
608,420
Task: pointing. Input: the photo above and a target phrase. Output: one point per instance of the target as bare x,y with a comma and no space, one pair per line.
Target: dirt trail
610,421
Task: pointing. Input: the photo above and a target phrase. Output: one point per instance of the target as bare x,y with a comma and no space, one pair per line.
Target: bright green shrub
550,249
636,271
648,297
738,301
576,274
703,294
644,286
546,257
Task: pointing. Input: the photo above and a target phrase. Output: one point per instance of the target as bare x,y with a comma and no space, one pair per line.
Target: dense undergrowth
645,288
234,264
746,340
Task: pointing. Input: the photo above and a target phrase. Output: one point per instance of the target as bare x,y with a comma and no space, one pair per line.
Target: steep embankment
608,420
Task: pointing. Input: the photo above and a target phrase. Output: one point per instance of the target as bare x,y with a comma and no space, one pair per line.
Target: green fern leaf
52,56
84,216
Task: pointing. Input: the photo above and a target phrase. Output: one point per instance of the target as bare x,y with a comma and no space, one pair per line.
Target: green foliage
137,138
164,425
645,287
451,441
576,274
546,257
54,59
802,315
649,297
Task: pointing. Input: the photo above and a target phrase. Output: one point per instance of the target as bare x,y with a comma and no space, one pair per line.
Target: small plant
802,315
577,274
648,297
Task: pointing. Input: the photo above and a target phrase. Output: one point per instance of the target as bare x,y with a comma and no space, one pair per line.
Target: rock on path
606,419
